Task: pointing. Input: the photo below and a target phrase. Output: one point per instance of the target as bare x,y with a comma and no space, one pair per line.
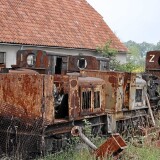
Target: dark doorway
58,67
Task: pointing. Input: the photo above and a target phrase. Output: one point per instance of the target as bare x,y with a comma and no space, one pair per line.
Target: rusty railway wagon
152,77
45,94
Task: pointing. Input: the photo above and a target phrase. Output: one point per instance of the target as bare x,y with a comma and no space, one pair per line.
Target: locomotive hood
90,81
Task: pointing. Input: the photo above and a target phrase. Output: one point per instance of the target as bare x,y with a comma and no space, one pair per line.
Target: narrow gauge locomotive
45,94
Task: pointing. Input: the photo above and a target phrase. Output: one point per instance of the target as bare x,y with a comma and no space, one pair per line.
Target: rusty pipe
77,131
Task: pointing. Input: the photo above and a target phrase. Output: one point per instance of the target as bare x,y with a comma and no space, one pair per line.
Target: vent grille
86,100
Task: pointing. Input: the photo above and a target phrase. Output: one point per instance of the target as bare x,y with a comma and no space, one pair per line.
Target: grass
82,152
131,153
71,155
143,153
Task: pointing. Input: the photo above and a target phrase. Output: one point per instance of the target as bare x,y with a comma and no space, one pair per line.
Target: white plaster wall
121,57
11,51
10,54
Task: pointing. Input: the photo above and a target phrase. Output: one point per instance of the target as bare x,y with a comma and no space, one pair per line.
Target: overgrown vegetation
131,153
135,62
79,151
141,153
106,50
82,152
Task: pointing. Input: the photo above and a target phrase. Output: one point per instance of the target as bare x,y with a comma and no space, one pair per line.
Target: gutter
21,45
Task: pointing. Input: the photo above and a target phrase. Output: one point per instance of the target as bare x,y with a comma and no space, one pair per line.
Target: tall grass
71,154
143,153
131,153
78,151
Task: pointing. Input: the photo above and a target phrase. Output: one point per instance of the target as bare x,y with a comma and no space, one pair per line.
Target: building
66,26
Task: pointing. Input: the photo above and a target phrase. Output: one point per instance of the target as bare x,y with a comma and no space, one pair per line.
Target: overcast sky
137,20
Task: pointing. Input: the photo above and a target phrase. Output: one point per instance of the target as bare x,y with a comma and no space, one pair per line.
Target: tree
114,64
157,47
106,50
143,47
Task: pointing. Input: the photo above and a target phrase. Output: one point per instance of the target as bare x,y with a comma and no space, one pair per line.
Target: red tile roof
61,23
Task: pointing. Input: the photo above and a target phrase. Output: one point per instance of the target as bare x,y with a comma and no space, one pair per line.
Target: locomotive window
82,63
31,59
97,99
138,97
86,100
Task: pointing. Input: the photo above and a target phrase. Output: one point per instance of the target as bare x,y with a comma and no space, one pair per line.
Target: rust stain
112,79
114,88
73,83
38,58
74,101
21,96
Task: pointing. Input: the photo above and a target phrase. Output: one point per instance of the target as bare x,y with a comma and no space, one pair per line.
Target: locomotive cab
56,63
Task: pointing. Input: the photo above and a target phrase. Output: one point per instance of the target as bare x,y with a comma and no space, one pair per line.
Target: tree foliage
137,53
143,47
106,50
135,57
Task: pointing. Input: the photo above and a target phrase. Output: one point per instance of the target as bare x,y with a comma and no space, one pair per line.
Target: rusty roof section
65,23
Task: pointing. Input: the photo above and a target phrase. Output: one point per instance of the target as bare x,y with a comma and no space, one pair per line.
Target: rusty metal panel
129,90
114,88
69,85
132,91
92,91
111,147
41,59
61,82
74,102
21,96
126,88
72,85
153,62
92,63
49,112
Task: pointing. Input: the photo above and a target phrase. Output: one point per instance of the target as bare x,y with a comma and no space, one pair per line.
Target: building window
2,57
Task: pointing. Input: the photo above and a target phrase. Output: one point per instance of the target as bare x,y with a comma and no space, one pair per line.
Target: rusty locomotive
152,76
45,94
